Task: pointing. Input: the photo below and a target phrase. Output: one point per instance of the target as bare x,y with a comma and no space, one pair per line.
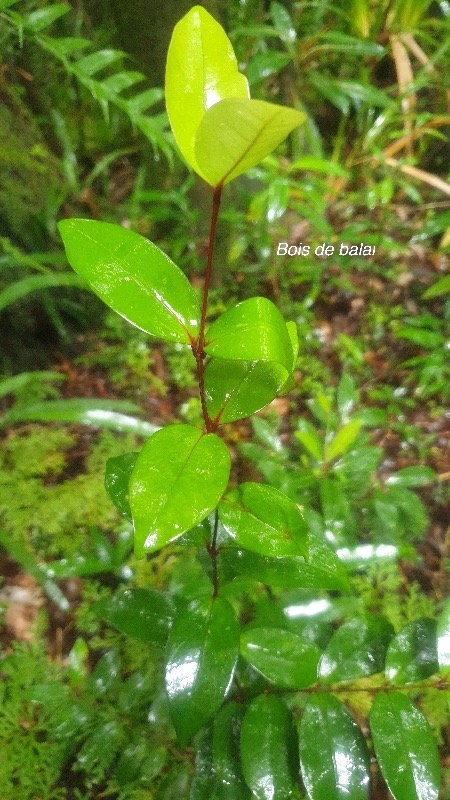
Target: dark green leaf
204,781
101,748
145,614
35,283
337,514
443,643
282,657
268,749
236,389
226,754
405,748
105,676
134,277
43,17
202,653
338,768
117,477
263,520
356,649
323,570
253,330
179,477
412,655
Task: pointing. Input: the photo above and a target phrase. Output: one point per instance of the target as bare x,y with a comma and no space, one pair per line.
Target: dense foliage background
83,132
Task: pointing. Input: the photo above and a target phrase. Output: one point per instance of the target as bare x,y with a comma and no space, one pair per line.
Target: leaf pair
220,132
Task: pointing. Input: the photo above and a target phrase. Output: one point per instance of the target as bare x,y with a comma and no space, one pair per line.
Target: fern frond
86,67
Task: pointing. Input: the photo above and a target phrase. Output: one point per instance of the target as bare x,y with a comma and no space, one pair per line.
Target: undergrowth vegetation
339,642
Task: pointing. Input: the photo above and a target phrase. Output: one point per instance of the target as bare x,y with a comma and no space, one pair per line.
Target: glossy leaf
443,643
412,654
356,649
145,614
83,411
263,520
268,745
202,653
253,330
117,478
134,277
338,769
405,748
236,133
179,477
226,754
236,389
282,657
201,69
322,570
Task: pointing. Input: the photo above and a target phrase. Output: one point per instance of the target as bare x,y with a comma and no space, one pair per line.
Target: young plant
223,677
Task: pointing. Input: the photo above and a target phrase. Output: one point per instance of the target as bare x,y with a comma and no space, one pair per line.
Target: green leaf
201,69
117,477
309,438
283,658
237,133
405,748
43,17
203,649
226,754
342,440
443,640
323,570
441,287
282,22
356,649
263,520
36,283
253,330
179,477
268,749
409,477
101,748
236,389
95,62
83,411
134,277
412,654
144,614
338,769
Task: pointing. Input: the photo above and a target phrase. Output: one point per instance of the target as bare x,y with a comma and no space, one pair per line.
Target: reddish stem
198,348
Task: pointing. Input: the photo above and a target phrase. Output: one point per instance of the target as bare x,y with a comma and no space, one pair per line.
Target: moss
37,505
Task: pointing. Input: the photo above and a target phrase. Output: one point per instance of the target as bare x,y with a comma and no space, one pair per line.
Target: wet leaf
282,657
179,477
338,769
263,520
405,748
237,389
117,477
202,653
268,749
145,614
356,649
133,277
412,654
253,330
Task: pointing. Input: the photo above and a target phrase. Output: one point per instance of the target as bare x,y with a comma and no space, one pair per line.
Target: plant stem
213,553
197,350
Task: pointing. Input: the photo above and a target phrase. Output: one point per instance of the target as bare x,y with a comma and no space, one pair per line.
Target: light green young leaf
405,748
237,133
203,649
263,520
236,389
179,477
134,277
253,330
201,69
339,768
343,440
309,438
